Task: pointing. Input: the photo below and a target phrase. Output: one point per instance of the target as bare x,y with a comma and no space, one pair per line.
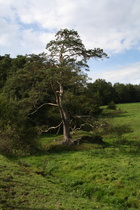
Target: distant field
130,116
86,176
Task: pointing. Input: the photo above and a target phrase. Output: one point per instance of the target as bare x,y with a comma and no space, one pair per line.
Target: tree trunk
66,131
64,115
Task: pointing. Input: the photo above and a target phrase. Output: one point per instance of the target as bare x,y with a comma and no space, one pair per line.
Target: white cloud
35,42
110,24
123,74
27,26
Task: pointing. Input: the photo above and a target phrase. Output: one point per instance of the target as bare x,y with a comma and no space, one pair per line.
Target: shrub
112,105
19,141
17,136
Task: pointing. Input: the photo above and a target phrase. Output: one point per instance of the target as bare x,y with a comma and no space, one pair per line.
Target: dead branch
54,127
42,106
75,128
85,121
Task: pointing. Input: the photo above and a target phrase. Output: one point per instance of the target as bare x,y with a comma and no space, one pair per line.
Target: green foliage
126,93
17,136
119,93
5,65
112,105
68,49
104,90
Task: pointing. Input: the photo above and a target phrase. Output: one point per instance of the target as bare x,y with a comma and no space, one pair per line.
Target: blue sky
113,25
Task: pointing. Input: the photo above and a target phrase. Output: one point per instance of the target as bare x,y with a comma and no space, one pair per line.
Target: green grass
130,114
86,176
131,117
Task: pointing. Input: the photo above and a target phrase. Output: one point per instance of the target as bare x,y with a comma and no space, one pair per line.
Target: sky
26,26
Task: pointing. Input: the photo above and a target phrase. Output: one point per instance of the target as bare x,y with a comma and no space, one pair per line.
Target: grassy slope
89,177
131,117
26,188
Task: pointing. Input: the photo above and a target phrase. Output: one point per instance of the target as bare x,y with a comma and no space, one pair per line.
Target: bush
17,136
112,105
19,141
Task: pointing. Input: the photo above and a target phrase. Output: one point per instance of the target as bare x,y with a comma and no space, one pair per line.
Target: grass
127,114
86,176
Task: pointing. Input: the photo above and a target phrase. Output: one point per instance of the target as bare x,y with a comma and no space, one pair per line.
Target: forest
51,92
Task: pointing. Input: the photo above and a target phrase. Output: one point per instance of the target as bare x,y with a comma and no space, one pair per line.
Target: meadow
85,176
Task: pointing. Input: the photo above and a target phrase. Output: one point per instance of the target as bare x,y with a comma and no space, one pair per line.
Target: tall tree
69,57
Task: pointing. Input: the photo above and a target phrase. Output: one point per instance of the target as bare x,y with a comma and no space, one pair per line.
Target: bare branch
42,106
86,121
82,118
75,128
53,127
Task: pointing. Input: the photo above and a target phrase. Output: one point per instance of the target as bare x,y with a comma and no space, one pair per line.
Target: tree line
118,92
39,93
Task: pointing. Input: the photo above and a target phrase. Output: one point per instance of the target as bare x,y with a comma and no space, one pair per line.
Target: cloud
123,74
113,25
9,36
110,24
35,42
